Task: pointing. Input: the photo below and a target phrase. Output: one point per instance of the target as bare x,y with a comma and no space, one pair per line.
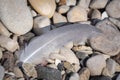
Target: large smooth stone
16,16
44,7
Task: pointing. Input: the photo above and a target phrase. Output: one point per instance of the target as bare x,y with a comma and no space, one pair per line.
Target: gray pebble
48,73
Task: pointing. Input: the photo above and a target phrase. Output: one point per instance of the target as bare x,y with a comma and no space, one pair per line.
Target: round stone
44,7
77,14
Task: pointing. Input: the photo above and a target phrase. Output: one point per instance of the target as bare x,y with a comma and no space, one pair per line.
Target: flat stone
48,73
96,14
104,45
8,43
76,14
30,70
74,76
63,9
4,31
16,16
2,72
71,2
84,74
44,7
41,25
98,4
94,66
113,9
59,19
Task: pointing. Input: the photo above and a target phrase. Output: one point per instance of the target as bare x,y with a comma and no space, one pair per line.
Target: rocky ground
22,20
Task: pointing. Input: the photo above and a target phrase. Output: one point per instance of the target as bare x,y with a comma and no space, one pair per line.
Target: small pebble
71,2
69,55
81,55
77,14
57,61
18,73
48,73
29,70
113,9
84,74
104,15
44,7
84,4
68,66
96,14
34,14
8,43
98,4
74,76
63,9
59,19
96,64
41,25
8,61
110,65
117,68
